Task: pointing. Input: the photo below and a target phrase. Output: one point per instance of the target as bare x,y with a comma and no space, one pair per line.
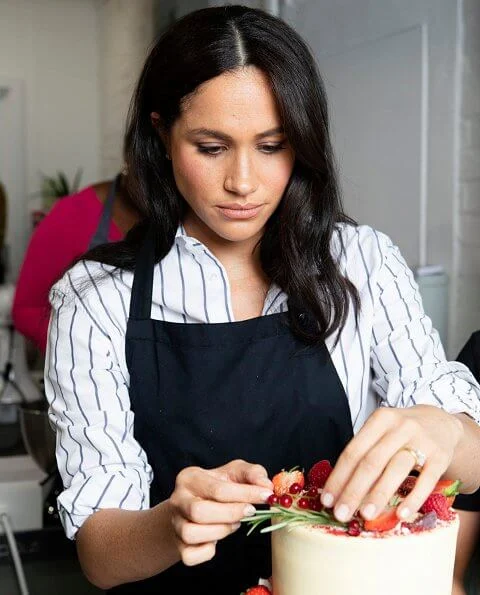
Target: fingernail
264,481
342,512
327,499
236,526
404,513
368,511
266,495
249,510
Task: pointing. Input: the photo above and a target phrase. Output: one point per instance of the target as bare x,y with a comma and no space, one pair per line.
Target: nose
240,178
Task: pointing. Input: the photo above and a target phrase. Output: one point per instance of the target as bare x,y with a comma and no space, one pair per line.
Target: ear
155,119
157,124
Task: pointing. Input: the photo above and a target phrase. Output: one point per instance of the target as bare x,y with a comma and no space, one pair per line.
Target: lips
234,206
238,211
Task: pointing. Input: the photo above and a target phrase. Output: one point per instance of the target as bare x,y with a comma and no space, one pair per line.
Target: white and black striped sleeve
407,357
101,464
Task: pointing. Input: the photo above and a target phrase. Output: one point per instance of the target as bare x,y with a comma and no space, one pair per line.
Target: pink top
61,237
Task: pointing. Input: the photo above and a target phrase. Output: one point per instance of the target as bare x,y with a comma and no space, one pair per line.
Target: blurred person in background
96,215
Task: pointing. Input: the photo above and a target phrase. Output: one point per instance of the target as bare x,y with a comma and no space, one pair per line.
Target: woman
245,339
97,214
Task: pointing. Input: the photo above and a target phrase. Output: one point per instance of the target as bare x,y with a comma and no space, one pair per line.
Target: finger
208,512
257,475
208,487
243,472
192,555
377,426
394,474
434,468
195,534
370,468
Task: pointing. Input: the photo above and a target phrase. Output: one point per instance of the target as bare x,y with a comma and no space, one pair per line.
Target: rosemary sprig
289,518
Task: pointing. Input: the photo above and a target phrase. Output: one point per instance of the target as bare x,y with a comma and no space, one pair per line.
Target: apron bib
205,394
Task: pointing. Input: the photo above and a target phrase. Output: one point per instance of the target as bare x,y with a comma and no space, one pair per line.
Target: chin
239,232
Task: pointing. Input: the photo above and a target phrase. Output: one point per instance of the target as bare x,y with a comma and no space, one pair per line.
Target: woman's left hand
376,461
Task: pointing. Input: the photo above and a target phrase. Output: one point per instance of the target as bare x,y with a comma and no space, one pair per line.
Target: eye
272,148
212,150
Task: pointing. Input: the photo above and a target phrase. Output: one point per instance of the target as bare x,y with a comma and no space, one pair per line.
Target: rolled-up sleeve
101,463
408,360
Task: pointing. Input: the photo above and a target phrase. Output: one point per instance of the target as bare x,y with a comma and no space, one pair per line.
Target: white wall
466,298
52,46
126,34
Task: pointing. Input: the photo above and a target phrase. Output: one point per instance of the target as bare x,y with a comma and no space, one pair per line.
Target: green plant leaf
57,186
453,490
63,186
76,180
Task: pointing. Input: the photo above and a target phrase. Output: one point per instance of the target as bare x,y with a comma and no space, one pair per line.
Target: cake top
296,502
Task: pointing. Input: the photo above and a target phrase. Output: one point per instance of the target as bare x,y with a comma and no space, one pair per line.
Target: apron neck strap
141,300
101,233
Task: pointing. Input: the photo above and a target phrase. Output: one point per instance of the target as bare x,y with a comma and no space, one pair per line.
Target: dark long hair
295,249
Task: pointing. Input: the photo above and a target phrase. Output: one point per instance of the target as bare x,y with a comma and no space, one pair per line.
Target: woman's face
230,157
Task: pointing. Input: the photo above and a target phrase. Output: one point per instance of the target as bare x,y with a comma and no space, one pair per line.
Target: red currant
316,505
295,488
312,492
286,501
273,500
303,503
354,528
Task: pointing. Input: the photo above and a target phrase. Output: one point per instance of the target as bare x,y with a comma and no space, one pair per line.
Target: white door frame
13,170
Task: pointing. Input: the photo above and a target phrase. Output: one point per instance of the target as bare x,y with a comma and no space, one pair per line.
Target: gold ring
419,456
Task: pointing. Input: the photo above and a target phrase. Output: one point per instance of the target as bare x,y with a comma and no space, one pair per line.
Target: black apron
101,233
205,394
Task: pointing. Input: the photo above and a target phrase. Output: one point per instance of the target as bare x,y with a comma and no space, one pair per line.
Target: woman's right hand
207,505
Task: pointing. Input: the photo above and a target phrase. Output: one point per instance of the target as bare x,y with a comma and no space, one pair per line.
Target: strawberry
448,488
258,590
384,522
438,503
407,486
319,473
285,479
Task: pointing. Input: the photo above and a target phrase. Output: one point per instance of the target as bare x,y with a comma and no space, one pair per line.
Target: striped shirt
392,357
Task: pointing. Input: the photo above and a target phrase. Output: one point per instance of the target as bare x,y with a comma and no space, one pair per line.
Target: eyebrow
228,138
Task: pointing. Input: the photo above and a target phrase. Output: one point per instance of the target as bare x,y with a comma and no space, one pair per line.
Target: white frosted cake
311,560
315,554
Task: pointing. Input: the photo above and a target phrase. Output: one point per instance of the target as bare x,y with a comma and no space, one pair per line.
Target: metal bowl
37,434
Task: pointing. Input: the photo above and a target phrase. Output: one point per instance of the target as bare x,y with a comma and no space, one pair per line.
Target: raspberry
439,504
319,473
